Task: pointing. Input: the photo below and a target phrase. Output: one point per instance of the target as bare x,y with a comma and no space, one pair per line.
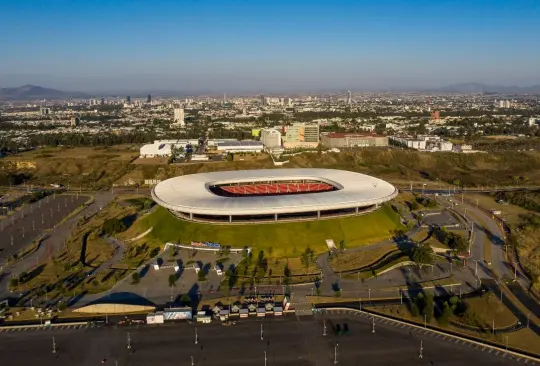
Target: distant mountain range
483,88
33,92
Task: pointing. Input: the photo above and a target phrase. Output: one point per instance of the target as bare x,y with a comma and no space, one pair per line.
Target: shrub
113,226
135,277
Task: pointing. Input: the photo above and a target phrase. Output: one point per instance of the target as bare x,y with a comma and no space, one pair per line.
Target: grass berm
286,239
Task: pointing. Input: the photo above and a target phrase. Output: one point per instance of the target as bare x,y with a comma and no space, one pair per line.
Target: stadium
271,195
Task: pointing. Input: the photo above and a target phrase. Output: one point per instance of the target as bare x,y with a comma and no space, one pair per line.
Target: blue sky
232,45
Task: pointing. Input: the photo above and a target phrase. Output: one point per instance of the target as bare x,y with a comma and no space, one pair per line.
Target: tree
421,254
172,279
135,278
414,310
201,276
185,299
112,226
446,313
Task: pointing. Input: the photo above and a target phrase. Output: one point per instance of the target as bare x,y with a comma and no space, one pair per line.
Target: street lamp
196,337
128,341
421,355
262,332
335,354
53,345
425,320
373,325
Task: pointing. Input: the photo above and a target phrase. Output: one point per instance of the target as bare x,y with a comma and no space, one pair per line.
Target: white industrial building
162,148
423,142
240,146
270,138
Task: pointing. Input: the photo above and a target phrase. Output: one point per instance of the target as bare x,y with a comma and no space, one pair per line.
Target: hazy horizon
188,46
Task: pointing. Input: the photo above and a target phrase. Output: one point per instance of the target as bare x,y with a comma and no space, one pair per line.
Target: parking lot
154,284
441,218
25,225
289,340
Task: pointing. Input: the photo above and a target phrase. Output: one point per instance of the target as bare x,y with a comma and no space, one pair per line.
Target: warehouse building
338,140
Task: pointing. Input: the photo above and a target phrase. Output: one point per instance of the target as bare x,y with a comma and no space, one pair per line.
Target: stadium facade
271,195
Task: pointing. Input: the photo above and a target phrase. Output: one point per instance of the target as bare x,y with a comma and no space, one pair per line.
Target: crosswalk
47,328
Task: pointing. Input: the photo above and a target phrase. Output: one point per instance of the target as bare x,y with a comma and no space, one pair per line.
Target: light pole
196,337
369,294
335,353
53,345
324,328
262,332
373,325
265,358
128,341
421,355
192,363
425,320
476,268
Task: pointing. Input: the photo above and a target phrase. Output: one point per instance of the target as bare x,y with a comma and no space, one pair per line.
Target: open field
118,152
285,239
508,211
81,167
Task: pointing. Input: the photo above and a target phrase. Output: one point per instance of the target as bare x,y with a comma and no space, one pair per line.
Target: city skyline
185,46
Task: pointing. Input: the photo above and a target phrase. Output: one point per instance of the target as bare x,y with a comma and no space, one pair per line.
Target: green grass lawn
286,239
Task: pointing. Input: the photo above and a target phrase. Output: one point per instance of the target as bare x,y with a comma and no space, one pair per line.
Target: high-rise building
128,99
44,111
149,99
301,135
102,101
270,138
179,116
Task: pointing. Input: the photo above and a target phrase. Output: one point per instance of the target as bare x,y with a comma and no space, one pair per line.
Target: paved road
287,341
27,224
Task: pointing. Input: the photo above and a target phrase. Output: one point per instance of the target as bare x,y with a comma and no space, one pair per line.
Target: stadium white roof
191,194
